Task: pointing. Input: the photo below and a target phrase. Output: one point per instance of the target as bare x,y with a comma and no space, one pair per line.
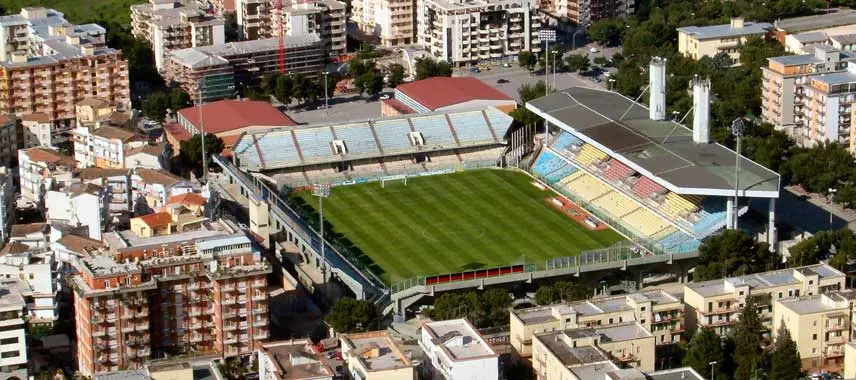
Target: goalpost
384,180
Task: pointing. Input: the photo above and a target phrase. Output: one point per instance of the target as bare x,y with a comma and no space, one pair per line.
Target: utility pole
199,88
737,129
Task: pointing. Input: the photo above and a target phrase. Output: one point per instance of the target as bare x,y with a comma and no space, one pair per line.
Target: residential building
40,170
228,119
8,141
456,350
820,325
175,24
445,94
206,287
117,182
592,353
104,147
586,12
700,41
80,205
804,43
843,42
253,18
7,202
152,188
718,303
36,271
39,130
325,18
174,218
60,65
291,360
33,235
849,371
659,312
13,362
147,156
220,68
464,33
14,36
393,22
374,356
834,22
94,113
785,83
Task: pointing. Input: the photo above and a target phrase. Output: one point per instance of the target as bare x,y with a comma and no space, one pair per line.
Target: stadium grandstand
363,151
651,178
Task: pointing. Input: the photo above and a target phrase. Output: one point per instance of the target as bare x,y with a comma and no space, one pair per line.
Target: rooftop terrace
765,280
376,350
459,339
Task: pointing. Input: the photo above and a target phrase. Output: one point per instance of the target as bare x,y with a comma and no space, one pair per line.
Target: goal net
400,178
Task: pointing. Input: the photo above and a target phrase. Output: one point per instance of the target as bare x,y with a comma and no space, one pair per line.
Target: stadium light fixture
738,128
321,190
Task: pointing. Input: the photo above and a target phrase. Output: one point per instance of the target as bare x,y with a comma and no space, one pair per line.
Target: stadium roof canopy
296,146
663,150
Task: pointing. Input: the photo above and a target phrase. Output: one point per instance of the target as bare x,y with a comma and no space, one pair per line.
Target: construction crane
281,42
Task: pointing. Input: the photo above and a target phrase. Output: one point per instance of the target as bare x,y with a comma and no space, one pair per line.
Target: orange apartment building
207,289
76,65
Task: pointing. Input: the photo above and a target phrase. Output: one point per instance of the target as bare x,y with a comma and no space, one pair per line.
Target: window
9,341
643,308
642,321
811,282
780,294
741,292
813,336
611,321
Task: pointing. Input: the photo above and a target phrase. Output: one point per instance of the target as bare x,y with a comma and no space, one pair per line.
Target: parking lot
342,108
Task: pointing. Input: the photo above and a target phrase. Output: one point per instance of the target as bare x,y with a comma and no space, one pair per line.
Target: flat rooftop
662,150
614,333
296,361
821,303
459,339
684,373
760,281
725,30
838,17
10,296
128,239
204,56
543,314
377,350
807,59
571,356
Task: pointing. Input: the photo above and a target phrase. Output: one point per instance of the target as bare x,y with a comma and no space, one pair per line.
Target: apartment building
8,141
13,361
36,271
60,65
40,170
393,22
469,32
95,113
79,206
849,371
148,156
717,303
152,188
699,41
219,69
821,325
456,350
592,353
586,12
39,130
785,85
206,287
118,184
104,147
253,18
291,360
659,312
175,24
325,18
14,36
374,356
7,202
175,218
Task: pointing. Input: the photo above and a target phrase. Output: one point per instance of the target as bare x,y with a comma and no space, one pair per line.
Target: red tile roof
157,219
49,156
438,92
228,115
192,199
398,106
177,131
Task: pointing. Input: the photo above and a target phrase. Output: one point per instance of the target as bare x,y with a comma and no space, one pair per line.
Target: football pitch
455,222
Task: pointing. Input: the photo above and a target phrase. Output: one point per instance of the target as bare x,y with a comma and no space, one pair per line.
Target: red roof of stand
438,92
227,115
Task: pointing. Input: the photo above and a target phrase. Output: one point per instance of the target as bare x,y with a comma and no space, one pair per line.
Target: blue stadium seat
393,134
358,138
470,127
246,152
564,139
315,142
435,130
500,121
712,216
679,242
277,148
552,168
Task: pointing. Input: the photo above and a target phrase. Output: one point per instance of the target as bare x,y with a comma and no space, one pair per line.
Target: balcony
260,334
721,310
836,339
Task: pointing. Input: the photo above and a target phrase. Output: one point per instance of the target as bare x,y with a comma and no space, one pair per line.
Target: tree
578,62
155,106
349,315
396,75
748,340
527,59
570,291
179,99
606,32
457,305
628,80
733,253
838,246
231,28
357,67
427,67
785,363
704,348
528,92
330,85
284,90
191,150
496,303
371,83
269,83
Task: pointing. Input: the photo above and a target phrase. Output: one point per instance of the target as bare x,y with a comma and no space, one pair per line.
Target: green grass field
454,222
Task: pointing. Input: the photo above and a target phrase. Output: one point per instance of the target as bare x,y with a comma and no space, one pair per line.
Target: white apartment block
79,205
40,170
13,336
104,147
456,350
173,24
468,32
36,272
7,202
392,21
152,188
259,19
14,36
117,182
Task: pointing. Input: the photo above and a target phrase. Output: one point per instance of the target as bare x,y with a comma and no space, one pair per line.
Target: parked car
593,50
501,81
384,97
330,354
506,64
475,70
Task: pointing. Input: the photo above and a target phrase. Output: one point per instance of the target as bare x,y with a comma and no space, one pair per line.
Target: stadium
427,202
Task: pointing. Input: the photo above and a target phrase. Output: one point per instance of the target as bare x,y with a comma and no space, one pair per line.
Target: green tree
284,90
544,295
358,67
155,106
528,92
191,150
428,67
578,62
331,84
396,75
349,315
839,246
704,348
628,80
457,305
748,340
231,28
371,82
496,303
570,291
178,100
527,59
785,363
733,253
606,32
269,83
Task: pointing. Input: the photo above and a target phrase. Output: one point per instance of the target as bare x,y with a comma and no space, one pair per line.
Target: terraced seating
552,168
315,142
589,155
358,138
246,151
645,222
678,206
679,242
498,120
393,134
588,188
564,140
470,127
277,148
616,171
646,188
616,204
435,130
711,217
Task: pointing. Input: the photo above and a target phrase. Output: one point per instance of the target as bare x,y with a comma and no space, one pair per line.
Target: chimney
736,22
657,89
701,110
